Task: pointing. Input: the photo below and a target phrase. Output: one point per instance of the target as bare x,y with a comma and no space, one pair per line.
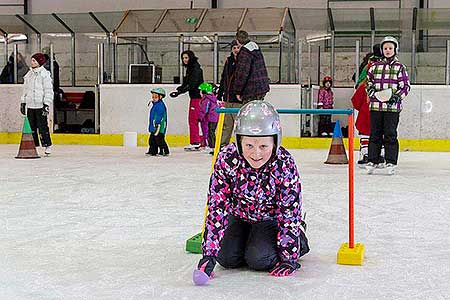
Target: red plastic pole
351,186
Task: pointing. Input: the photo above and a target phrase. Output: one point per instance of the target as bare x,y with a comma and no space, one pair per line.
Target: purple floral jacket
270,193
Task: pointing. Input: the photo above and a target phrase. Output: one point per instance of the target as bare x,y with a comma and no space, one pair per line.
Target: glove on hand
371,92
394,100
284,269
45,110
174,94
207,264
22,108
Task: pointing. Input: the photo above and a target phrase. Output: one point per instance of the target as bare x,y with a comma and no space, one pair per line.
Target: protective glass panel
86,58
288,26
11,24
205,54
62,44
138,21
309,22
287,61
180,20
433,18
430,65
109,19
45,23
161,51
80,23
393,20
263,19
351,19
221,20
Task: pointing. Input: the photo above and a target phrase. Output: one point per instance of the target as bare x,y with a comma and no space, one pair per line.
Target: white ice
94,222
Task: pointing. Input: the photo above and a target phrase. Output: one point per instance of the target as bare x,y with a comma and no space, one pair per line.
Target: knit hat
40,58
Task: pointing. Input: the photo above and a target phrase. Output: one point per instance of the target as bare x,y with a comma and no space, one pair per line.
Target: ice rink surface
109,223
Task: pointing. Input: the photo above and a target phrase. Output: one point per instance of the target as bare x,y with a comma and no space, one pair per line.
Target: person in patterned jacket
255,200
387,87
326,101
251,81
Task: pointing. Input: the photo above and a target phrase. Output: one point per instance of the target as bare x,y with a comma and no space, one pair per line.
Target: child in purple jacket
326,101
208,116
254,213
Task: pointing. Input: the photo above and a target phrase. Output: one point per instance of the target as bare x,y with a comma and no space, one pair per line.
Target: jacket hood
251,46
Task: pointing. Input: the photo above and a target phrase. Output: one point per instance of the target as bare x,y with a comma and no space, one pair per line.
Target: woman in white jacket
37,98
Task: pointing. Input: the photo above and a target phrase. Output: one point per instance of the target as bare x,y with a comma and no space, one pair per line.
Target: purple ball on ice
200,277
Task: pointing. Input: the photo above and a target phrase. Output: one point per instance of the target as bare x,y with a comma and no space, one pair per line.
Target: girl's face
327,84
34,63
235,49
185,59
388,50
257,150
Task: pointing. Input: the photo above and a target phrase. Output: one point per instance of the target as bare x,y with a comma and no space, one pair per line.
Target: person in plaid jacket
387,87
251,81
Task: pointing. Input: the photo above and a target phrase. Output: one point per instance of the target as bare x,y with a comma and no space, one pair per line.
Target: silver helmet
389,39
257,118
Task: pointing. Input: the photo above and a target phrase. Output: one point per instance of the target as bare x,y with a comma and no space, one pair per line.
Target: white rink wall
124,108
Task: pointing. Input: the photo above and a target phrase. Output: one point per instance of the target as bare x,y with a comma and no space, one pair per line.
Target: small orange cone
27,148
337,154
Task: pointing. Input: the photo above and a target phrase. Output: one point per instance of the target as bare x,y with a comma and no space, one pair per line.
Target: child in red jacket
360,102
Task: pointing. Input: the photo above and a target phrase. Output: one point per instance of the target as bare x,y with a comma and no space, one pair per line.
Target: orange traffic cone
27,148
337,154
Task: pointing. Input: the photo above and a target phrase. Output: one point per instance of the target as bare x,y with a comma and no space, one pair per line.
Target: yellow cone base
348,256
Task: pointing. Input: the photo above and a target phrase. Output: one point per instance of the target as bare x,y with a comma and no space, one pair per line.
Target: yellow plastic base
347,256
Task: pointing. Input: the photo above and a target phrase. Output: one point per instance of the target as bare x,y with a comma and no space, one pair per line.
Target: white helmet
257,118
389,39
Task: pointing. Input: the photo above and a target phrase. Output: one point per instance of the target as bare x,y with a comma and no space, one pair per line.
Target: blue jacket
158,116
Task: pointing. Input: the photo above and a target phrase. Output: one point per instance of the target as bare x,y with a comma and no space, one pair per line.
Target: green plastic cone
26,126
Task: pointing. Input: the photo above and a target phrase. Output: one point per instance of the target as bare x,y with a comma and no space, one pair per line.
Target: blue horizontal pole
347,111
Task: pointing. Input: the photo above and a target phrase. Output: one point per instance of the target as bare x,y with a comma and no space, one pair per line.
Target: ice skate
363,161
48,150
370,168
390,168
207,150
380,165
192,147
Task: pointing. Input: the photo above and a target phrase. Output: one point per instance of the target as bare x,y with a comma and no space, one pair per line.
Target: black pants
212,134
39,122
383,131
325,124
158,142
250,244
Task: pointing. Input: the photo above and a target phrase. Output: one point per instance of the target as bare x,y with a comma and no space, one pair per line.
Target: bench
73,101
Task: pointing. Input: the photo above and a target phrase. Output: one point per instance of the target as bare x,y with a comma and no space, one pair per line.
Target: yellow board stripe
182,140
